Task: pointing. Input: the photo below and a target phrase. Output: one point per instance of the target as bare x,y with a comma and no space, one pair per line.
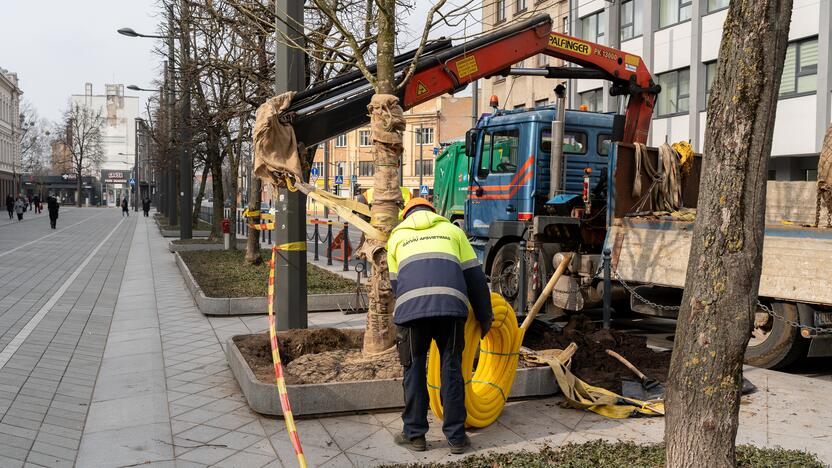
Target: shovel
647,383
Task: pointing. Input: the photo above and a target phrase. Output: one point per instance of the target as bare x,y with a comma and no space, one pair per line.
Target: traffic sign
339,180
424,190
313,174
435,150
132,181
354,179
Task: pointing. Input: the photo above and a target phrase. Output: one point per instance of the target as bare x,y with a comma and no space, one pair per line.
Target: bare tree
82,135
34,134
723,274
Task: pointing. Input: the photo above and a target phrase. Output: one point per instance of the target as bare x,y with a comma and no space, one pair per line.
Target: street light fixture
129,32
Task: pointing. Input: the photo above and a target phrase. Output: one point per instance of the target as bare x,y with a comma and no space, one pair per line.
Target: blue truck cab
509,186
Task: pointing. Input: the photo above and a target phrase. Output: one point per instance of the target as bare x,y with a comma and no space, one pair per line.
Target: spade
647,383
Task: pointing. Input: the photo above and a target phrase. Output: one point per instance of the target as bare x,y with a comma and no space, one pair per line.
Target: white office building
119,136
679,41
10,160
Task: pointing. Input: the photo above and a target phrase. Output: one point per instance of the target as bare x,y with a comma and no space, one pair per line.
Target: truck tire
504,274
775,344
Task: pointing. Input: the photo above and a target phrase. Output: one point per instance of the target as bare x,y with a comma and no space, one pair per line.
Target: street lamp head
133,87
129,32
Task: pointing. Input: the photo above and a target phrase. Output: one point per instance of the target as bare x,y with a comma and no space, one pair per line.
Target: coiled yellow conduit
487,390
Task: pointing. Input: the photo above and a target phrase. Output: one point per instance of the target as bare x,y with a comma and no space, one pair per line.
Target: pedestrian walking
125,210
10,205
20,207
36,202
52,207
435,275
146,206
29,203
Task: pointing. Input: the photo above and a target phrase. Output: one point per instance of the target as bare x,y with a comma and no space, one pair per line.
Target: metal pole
136,165
475,103
421,167
326,174
521,281
346,247
171,172
607,289
290,214
329,242
315,239
186,168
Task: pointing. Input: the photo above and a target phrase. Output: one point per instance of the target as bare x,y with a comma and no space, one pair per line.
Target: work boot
460,446
417,444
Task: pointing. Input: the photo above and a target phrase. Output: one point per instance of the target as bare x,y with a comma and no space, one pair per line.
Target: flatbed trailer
649,257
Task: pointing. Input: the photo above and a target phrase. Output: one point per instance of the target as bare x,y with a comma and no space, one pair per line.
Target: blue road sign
424,190
314,171
435,150
339,180
132,181
354,179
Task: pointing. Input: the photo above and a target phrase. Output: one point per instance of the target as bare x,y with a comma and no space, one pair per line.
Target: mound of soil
591,363
293,344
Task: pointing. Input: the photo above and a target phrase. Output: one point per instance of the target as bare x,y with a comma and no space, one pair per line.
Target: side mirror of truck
471,137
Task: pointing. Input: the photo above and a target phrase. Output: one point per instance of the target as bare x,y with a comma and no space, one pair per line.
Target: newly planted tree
723,274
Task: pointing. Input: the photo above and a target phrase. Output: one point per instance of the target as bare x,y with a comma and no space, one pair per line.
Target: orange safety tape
278,367
261,226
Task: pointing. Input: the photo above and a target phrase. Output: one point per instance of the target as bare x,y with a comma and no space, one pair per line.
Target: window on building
499,152
632,14
542,60
541,102
427,132
811,175
319,166
593,100
710,74
674,11
366,169
566,24
520,6
800,70
341,141
772,174
500,14
522,105
675,95
592,27
714,5
339,168
364,138
424,167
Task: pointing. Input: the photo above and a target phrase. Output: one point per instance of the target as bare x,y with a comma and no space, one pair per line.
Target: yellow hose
488,388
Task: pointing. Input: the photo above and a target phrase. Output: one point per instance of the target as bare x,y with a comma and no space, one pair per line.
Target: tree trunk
387,125
253,237
232,214
78,189
723,272
200,194
218,198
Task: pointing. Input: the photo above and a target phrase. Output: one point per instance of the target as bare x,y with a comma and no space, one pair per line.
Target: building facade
679,41
428,126
119,135
515,92
10,159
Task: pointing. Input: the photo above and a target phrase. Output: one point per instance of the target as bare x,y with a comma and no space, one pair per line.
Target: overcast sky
55,46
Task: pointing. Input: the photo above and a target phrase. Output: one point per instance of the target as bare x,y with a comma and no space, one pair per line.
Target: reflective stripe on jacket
434,271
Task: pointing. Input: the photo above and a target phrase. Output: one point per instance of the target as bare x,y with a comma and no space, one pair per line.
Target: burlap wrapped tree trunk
387,125
825,179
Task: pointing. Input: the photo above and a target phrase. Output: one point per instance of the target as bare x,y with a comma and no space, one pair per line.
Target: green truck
450,186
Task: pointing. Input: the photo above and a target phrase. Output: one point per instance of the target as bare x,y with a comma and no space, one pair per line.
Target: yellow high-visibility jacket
434,271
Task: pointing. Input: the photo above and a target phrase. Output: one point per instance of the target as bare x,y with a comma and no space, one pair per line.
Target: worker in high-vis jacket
436,277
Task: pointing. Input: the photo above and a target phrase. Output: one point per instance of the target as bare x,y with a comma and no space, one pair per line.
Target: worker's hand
485,327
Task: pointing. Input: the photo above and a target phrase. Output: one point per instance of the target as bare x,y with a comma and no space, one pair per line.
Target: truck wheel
775,344
505,277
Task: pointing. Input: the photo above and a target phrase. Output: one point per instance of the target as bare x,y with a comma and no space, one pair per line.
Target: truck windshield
573,142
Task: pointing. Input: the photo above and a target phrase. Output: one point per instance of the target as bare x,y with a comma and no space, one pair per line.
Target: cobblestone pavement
136,375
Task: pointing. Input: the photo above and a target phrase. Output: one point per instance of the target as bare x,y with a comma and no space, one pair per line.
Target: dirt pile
591,363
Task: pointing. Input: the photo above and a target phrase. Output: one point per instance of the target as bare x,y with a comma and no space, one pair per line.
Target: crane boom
444,69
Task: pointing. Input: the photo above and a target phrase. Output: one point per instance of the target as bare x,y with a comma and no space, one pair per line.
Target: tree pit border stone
355,397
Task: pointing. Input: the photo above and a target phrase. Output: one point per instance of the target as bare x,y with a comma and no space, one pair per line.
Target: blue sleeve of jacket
478,294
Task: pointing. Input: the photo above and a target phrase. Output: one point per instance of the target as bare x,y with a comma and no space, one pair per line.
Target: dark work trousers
413,343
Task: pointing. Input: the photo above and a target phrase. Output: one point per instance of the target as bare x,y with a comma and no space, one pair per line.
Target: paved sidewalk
163,395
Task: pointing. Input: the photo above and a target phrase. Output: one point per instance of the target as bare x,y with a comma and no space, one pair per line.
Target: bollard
521,280
226,233
607,289
329,243
346,247
316,236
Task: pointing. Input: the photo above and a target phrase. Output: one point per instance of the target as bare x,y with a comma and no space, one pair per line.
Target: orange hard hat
414,202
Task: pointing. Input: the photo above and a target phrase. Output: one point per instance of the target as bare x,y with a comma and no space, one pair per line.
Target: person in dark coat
10,206
125,210
52,207
146,206
36,202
